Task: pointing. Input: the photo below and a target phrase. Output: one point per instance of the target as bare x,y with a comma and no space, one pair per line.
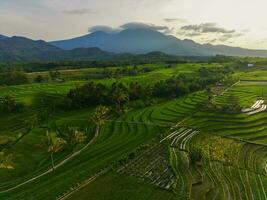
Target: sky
230,22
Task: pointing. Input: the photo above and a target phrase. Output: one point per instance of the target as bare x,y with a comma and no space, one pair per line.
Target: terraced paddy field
233,159
214,177
25,93
228,169
253,75
127,188
250,128
118,138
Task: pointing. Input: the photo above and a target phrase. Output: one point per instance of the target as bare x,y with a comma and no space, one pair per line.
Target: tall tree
146,95
54,144
71,135
119,96
101,113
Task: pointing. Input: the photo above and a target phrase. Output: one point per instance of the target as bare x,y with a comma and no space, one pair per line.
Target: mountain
3,37
16,49
23,49
234,51
20,48
141,41
93,53
125,45
136,41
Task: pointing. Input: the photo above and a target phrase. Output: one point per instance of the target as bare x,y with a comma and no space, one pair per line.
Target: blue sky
231,22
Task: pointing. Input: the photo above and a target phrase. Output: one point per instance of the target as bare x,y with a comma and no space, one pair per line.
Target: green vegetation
13,78
161,131
238,125
126,187
224,169
8,104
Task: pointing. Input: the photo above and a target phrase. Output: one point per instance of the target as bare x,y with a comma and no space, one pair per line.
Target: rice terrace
133,100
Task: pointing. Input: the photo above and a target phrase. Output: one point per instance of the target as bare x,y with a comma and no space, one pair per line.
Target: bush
13,78
8,104
195,156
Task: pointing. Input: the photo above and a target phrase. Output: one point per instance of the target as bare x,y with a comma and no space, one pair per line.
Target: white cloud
104,28
140,25
207,28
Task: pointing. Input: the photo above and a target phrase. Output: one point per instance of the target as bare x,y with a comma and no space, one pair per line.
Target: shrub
8,104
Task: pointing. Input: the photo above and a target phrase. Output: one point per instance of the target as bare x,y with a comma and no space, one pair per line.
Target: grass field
121,187
238,142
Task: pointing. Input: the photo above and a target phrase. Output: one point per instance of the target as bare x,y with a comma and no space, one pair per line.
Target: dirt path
229,88
56,166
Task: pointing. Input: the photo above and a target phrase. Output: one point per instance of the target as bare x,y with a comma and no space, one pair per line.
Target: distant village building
250,65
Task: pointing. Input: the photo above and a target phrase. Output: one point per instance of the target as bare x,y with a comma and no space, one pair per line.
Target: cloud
141,25
181,20
193,34
228,36
170,31
78,11
106,29
205,32
131,25
206,28
208,33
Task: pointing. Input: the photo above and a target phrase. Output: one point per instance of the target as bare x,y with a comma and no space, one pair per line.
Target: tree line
122,60
119,94
16,77
13,78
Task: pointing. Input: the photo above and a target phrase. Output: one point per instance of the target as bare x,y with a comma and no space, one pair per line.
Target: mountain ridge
3,37
101,45
140,41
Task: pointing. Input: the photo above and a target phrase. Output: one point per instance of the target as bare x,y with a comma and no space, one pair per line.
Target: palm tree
71,135
147,96
55,144
6,160
99,117
119,96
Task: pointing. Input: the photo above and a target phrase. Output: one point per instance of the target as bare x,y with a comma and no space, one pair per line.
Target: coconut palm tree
119,96
54,144
71,135
99,117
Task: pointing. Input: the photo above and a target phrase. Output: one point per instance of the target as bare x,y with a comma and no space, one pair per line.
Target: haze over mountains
139,41
100,45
